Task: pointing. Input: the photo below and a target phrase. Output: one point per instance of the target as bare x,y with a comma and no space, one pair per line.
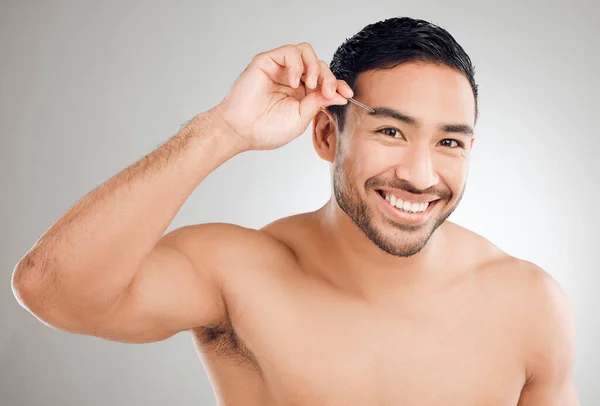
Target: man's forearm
90,254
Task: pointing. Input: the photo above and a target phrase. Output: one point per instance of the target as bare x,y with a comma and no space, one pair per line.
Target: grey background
88,88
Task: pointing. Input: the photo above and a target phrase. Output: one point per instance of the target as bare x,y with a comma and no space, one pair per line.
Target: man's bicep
181,284
550,345
169,293
178,285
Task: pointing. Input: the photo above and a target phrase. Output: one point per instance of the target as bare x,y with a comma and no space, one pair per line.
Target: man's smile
417,210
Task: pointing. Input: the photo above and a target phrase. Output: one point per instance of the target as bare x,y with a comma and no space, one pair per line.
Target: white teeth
405,205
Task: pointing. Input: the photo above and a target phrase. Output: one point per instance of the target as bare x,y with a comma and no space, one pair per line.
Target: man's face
417,161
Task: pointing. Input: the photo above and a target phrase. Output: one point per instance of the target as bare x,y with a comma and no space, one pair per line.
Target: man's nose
416,166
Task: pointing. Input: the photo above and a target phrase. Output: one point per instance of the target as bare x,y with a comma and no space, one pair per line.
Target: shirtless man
357,303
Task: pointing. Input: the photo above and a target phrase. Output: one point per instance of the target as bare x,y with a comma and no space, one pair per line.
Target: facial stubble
408,240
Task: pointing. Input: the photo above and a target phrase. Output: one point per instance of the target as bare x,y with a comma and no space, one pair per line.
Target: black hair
391,42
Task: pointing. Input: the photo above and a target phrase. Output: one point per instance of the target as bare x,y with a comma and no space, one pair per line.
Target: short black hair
391,42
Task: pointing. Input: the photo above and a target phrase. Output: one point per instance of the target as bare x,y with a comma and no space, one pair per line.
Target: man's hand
268,105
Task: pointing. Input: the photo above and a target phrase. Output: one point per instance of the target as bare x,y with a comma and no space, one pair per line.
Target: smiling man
374,299
416,162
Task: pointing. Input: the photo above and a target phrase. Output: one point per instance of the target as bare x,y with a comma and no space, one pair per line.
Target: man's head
413,151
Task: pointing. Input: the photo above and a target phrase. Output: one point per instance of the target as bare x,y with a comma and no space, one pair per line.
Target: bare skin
355,303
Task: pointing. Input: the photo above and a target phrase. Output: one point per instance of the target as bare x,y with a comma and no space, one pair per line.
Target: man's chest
311,348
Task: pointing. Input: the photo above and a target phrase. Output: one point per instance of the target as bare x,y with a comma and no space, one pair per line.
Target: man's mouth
405,205
407,211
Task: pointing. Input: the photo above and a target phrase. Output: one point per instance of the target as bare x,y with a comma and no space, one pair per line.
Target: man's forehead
420,90
412,72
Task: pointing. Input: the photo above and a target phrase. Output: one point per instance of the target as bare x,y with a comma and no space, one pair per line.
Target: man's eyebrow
415,122
458,128
393,113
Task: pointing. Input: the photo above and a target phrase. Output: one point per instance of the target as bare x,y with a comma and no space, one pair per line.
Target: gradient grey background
88,88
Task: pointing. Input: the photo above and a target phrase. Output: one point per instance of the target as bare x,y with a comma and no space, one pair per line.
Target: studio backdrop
89,87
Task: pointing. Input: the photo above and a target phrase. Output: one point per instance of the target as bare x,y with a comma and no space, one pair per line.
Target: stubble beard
407,240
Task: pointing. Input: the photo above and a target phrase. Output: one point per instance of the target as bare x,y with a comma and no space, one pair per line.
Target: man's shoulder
479,252
544,318
518,274
229,245
522,278
538,306
544,304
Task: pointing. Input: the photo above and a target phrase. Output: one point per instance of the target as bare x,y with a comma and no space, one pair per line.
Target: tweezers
359,104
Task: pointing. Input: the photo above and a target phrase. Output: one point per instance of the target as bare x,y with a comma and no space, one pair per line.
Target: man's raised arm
103,269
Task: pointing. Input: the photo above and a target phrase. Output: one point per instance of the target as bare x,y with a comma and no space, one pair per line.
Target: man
374,299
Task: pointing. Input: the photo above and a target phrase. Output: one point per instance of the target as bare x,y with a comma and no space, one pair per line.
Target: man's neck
359,266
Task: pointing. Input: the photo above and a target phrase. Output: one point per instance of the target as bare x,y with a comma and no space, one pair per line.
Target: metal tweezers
359,104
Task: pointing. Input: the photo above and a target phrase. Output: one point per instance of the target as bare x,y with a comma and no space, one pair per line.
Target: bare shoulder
487,257
523,283
546,316
542,318
215,234
230,253
225,248
474,251
540,311
518,273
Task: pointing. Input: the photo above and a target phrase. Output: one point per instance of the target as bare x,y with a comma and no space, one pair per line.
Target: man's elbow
37,291
26,284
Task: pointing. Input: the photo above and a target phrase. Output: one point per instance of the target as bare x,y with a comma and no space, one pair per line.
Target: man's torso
295,338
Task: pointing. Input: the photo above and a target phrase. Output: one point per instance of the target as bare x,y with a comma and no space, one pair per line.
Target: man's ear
325,134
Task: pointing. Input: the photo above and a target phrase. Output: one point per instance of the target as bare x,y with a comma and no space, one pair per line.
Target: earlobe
325,135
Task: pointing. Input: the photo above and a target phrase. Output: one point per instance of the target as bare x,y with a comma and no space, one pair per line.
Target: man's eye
450,143
392,132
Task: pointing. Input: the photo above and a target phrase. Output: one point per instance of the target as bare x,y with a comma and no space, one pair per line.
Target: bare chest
307,347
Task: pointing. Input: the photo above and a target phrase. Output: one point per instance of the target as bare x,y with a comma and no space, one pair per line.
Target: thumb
315,101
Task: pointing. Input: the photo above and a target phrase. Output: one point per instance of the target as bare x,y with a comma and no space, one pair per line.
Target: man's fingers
327,80
315,101
311,64
287,57
344,89
289,64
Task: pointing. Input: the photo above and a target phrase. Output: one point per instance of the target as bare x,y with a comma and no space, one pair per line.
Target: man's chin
408,230
398,239
406,248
